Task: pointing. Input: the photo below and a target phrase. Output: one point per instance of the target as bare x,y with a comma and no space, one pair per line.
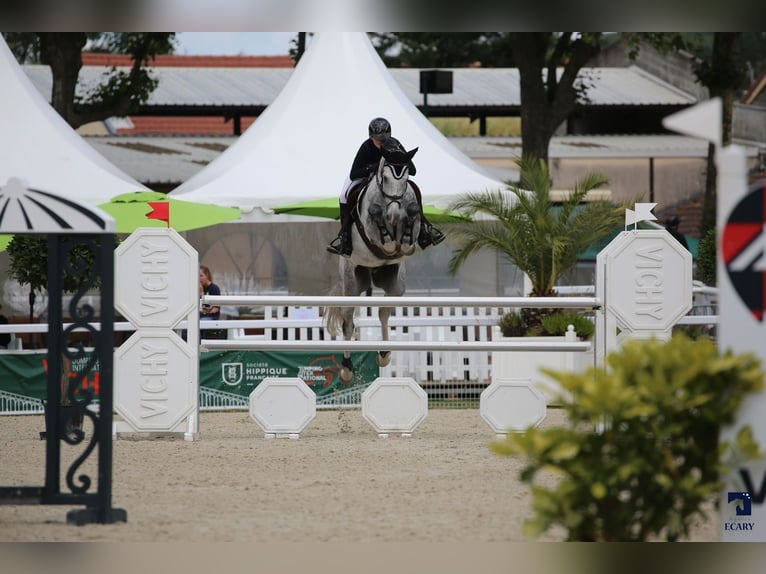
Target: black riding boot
341,245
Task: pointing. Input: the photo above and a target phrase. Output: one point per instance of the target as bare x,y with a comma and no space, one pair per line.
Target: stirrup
430,236
436,235
335,246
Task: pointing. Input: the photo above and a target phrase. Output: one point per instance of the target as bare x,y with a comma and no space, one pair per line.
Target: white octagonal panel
512,404
648,280
155,380
156,278
396,404
282,405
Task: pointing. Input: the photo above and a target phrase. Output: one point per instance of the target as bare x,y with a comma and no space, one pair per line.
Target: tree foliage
29,265
442,49
120,93
707,258
549,64
722,74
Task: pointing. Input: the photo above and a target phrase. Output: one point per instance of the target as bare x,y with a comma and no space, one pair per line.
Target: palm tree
542,238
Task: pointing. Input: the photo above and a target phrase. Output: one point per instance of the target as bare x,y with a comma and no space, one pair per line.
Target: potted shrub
640,457
541,237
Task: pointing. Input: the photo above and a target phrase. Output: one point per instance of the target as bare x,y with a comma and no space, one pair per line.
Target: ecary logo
231,373
743,249
743,506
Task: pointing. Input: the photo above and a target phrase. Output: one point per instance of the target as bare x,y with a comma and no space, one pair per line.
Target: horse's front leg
408,235
347,366
387,243
384,357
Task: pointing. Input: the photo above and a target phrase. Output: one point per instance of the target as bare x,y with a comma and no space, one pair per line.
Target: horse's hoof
389,247
346,375
384,358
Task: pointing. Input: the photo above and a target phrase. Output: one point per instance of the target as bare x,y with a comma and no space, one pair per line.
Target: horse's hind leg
391,279
355,280
384,357
347,367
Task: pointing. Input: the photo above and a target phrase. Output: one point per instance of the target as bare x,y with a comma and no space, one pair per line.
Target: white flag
644,212
630,217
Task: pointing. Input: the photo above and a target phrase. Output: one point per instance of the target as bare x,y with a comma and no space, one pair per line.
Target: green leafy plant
640,456
706,258
514,324
558,324
541,237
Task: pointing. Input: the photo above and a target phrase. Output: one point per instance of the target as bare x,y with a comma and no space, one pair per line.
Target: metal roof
255,88
171,160
160,160
629,86
590,146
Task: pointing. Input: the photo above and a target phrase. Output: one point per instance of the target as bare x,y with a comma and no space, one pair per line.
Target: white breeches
346,186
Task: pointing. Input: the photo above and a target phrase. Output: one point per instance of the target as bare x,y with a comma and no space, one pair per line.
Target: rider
365,164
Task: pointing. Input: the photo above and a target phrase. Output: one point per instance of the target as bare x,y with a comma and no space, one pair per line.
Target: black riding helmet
380,129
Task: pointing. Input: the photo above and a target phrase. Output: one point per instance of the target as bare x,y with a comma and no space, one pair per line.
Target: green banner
237,372
25,373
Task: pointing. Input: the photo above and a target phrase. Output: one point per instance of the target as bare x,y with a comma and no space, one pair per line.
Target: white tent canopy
302,146
42,150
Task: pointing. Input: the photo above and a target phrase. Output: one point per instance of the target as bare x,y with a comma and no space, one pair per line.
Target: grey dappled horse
386,223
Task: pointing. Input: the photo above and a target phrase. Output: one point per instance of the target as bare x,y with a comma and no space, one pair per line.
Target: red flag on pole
160,210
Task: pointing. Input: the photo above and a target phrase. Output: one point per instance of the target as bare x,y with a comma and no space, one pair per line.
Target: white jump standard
396,404
282,407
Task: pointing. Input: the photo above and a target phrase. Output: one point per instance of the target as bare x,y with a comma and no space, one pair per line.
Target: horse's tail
332,316
333,321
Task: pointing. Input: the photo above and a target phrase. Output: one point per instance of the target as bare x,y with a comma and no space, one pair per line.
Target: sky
234,43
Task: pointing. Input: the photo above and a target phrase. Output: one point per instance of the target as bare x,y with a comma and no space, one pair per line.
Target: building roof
171,160
589,146
179,61
164,160
494,91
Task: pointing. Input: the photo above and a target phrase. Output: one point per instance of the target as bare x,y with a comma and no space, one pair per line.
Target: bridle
399,171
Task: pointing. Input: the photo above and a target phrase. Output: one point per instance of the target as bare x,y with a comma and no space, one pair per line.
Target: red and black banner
743,249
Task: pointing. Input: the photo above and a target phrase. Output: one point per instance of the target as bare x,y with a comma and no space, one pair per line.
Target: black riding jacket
368,157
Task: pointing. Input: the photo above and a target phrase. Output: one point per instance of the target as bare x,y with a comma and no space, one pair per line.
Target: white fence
456,338
456,333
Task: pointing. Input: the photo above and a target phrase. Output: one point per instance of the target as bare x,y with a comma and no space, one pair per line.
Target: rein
374,249
390,198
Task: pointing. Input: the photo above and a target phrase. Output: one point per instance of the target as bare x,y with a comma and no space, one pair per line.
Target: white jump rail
379,301
427,301
339,344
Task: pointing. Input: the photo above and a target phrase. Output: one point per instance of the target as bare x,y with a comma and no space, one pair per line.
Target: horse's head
393,170
389,211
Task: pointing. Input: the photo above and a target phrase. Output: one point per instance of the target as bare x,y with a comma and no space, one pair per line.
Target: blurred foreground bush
641,454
